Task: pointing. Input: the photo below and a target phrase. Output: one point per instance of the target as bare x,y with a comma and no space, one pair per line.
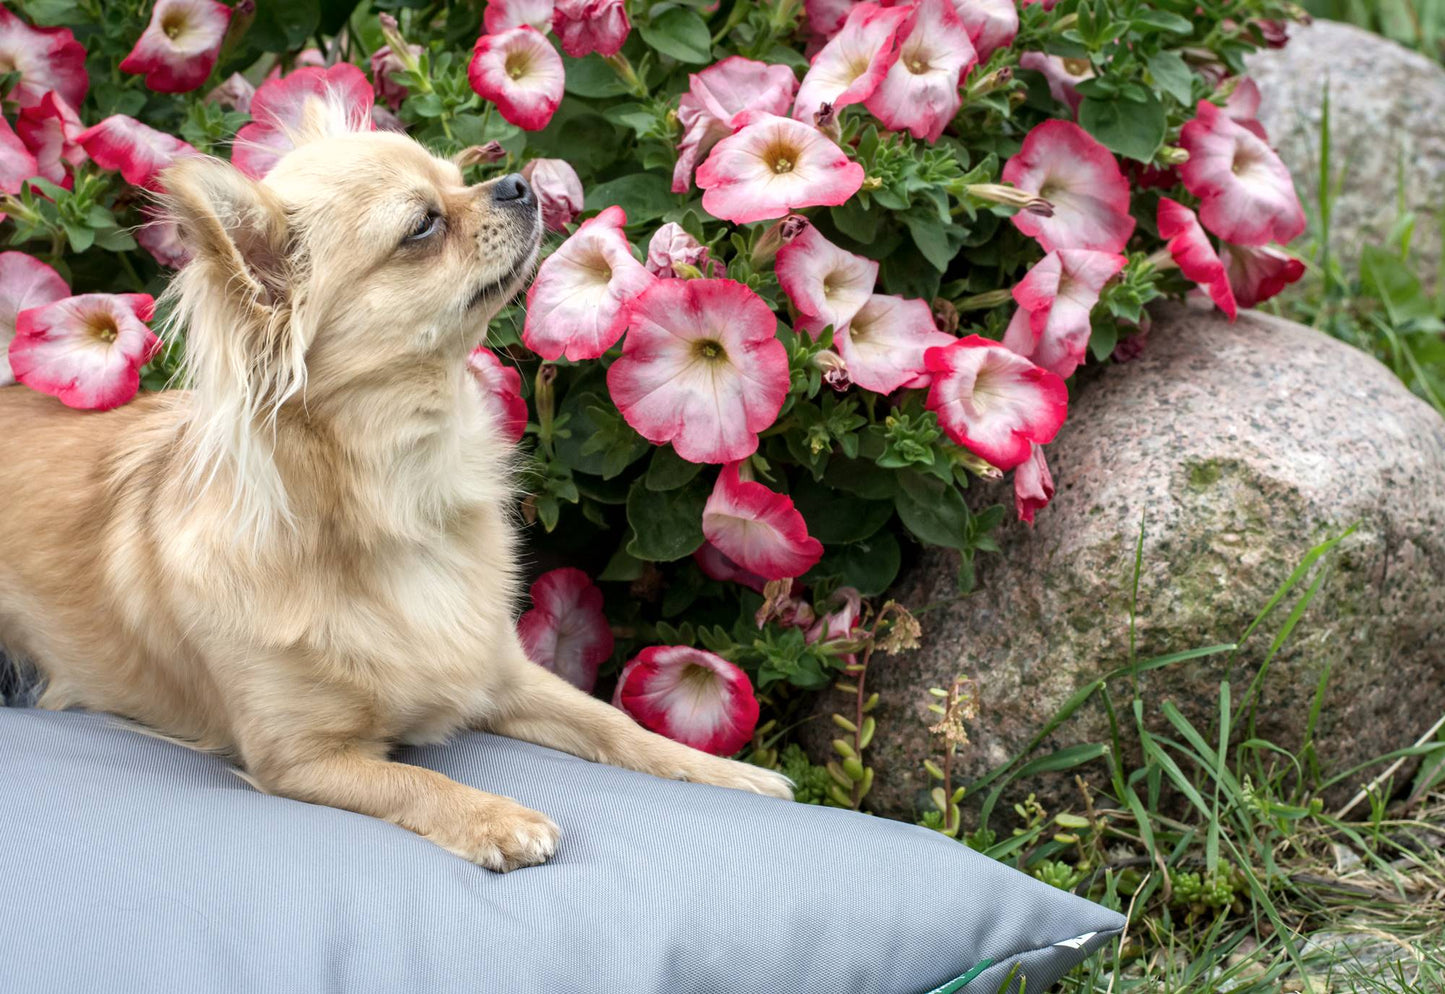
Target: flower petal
991,24
503,15
521,73
17,163
25,282
716,97
758,529
50,130
1062,163
920,92
851,66
85,350
772,166
46,59
671,247
1055,300
716,566
501,387
178,49
1033,485
585,26
278,112
1247,194
558,189
1196,258
565,631
139,152
691,696
825,283
884,343
1257,273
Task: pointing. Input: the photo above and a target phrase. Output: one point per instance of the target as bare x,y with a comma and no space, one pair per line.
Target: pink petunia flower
1257,273
558,190
1192,253
178,49
585,26
840,622
716,566
25,282
139,152
701,368
994,402
1242,106
50,130
920,92
758,529
852,65
503,15
825,17
161,237
46,59
716,98
520,72
1051,326
501,387
691,696
1247,194
577,304
85,350
385,64
672,252
991,24
774,165
826,284
235,92
1033,485
884,343
565,631
17,164
1062,75
279,107
1062,163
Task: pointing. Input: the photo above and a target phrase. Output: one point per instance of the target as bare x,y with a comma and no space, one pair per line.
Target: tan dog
305,559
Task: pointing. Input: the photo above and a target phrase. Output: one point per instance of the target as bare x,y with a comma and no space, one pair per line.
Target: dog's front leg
539,706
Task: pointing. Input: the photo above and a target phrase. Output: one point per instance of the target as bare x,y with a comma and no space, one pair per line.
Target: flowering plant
817,266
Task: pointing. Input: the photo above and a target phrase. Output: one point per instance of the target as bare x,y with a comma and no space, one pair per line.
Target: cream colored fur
305,559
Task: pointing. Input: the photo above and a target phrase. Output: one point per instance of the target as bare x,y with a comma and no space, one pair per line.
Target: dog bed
132,865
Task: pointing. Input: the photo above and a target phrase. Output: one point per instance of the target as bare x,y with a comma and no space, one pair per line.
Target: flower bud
1173,155
1010,196
674,253
476,155
558,190
775,237
945,316
826,121
978,466
835,370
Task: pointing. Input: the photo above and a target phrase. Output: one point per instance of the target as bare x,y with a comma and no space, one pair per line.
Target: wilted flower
161,237
585,26
781,606
691,696
716,99
1051,326
278,111
521,73
758,529
826,284
235,92
385,64
673,252
884,343
991,24
85,350
137,151
503,15
25,282
1247,195
920,92
1192,253
845,610
558,190
501,387
50,130
46,59
852,65
772,166
1063,164
179,48
565,631
1062,75
1033,485
1257,273
717,566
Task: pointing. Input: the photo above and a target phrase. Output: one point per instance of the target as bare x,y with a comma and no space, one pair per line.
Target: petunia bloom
46,59
503,15
235,92
691,696
839,623
1257,273
385,64
178,49
1062,75
577,304
278,111
17,163
161,237
994,402
758,529
716,566
884,343
1247,195
138,151
501,387
1063,164
25,282
85,350
826,284
852,65
1242,106
1051,326
585,26
1033,485
50,130
565,631
991,24
1192,253
558,190
701,368
920,92
774,165
715,100
520,72
825,17
673,252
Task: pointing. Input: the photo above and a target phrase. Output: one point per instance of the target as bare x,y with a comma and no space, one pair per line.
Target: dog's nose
513,189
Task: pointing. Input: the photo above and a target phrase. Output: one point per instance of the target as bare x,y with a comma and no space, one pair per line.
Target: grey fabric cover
130,865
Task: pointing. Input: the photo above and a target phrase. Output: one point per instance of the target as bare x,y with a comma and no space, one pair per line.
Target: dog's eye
426,226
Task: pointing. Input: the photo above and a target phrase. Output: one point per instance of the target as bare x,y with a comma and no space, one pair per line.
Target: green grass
1417,24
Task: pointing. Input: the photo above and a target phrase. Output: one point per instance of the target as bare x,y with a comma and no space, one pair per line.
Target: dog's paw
509,836
744,776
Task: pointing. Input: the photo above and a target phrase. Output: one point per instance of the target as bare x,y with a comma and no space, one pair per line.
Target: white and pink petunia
920,92
1242,106
386,65
585,26
993,401
520,72
137,150
691,696
1062,75
825,17
558,190
884,344
715,100
852,65
178,49
1051,326
278,112
577,305
50,130
1063,164
25,282
1257,273
758,529
1192,253
17,164
672,252
501,387
717,566
846,605
85,350
161,237
991,24
701,368
1247,195
565,630
774,165
1033,485
235,92
826,284
503,15
46,59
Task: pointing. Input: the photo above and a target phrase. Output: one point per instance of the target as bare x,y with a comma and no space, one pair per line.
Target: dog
306,558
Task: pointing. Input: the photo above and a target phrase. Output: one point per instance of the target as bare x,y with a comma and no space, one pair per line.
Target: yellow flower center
709,349
173,24
782,164
517,65
918,66
102,328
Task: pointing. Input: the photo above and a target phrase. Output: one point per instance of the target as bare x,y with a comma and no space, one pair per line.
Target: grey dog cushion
131,865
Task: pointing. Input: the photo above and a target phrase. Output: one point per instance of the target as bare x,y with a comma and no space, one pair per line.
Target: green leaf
870,565
643,196
623,566
81,237
934,511
1163,21
856,221
283,25
591,76
680,33
862,477
668,470
1383,275
937,242
838,519
335,14
665,525
1127,127
581,427
1173,76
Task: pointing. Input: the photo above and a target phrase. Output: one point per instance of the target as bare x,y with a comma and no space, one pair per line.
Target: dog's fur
305,559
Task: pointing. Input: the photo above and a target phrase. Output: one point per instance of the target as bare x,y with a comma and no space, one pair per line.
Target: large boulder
1236,448
1387,121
